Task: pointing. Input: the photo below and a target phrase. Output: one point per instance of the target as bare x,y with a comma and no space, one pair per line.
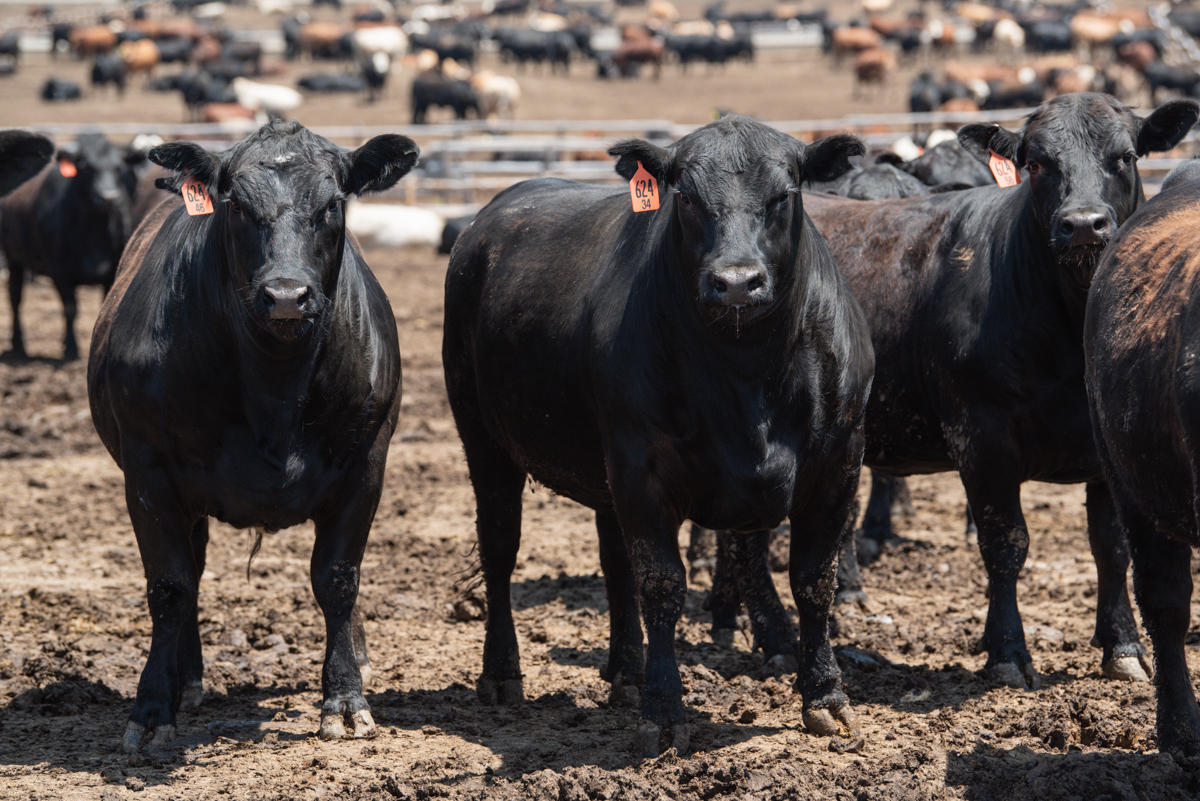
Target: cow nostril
720,286
1068,227
756,283
1100,224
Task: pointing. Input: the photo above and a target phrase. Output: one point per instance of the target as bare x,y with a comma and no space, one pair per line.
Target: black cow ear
381,162
22,155
888,157
829,159
655,159
185,160
979,138
1169,123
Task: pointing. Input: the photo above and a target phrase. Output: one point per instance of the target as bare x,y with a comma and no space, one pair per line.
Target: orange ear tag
643,190
195,198
1005,171
66,168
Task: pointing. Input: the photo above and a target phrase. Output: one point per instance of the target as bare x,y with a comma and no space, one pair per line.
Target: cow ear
888,157
381,162
829,159
22,155
1169,123
655,159
979,138
185,160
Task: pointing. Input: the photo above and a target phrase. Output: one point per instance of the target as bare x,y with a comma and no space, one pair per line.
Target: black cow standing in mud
704,361
246,367
976,304
70,223
1142,335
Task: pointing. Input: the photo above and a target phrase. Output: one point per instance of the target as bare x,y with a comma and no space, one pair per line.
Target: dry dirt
74,630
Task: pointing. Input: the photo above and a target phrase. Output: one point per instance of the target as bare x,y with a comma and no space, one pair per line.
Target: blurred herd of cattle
972,56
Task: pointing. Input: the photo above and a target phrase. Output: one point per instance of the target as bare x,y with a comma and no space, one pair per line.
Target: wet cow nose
738,286
1085,228
286,301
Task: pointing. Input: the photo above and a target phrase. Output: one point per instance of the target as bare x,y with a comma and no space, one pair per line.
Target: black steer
22,156
280,412
703,361
435,89
976,303
70,229
1141,337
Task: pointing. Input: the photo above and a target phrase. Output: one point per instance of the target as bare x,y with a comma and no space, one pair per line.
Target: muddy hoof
835,722
723,637
193,695
1020,677
333,724
858,597
782,663
1128,668
507,691
135,733
625,695
652,739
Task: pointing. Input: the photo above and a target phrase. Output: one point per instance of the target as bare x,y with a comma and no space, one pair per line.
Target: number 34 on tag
643,190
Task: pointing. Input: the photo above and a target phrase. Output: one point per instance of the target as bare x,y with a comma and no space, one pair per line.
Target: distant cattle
69,223
56,90
10,49
268,97
280,413
141,56
639,51
333,82
498,95
848,40
108,69
22,156
92,39
1141,337
873,67
638,380
435,89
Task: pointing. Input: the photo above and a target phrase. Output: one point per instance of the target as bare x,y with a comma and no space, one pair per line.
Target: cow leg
816,536
358,638
849,577
66,291
1116,631
1003,544
16,284
341,539
773,633
172,582
1162,581
191,660
877,520
724,600
626,668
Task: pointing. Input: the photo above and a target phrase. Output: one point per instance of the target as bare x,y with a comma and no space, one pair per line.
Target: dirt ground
74,631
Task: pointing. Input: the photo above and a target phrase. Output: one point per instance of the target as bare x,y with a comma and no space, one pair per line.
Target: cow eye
235,208
685,200
1128,158
333,206
1033,167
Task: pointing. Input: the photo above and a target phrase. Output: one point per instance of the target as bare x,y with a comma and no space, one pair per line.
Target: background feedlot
74,631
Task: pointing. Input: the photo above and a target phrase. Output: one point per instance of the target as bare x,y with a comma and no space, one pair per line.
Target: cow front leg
994,495
191,660
626,668
164,538
749,554
1124,657
66,292
816,539
16,286
341,539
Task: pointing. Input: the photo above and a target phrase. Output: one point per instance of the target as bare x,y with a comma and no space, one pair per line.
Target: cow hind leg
191,660
1124,655
724,600
66,291
16,285
769,621
626,668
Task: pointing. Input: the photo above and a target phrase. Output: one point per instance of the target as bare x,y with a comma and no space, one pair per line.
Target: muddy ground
74,631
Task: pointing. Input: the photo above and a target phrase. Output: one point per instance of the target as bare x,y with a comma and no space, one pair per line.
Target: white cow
392,225
265,96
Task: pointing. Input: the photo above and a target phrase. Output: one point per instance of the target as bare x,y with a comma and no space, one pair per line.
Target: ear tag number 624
643,190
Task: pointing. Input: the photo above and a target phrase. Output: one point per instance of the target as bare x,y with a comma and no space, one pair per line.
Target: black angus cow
976,303
948,163
22,156
576,335
108,68
57,90
1143,376
70,229
433,88
280,413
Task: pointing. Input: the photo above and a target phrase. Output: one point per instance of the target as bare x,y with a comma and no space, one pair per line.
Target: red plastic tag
1005,171
66,168
195,198
643,190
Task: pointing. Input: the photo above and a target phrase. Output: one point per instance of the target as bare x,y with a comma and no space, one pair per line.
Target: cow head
734,202
22,155
100,171
280,212
1080,152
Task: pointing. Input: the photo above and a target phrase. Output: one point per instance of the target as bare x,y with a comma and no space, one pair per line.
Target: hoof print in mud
333,724
1019,677
510,692
652,740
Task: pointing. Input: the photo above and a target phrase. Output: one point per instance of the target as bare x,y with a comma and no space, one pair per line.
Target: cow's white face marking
284,158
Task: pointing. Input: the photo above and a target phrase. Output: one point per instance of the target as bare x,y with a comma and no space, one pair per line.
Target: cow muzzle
1088,229
286,299
741,286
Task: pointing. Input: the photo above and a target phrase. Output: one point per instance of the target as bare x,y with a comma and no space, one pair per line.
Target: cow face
735,207
1080,152
100,170
280,197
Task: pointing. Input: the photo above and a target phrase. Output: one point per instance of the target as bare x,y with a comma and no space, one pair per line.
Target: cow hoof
1022,677
830,722
625,695
192,696
652,739
1128,668
363,723
506,691
135,733
782,663
333,726
367,675
723,637
858,597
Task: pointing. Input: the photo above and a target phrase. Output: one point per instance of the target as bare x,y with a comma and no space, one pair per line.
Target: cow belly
246,490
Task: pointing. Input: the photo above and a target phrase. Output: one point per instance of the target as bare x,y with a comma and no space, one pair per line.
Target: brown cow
959,105
874,66
1137,54
965,73
226,112
90,40
848,39
321,39
640,51
139,56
